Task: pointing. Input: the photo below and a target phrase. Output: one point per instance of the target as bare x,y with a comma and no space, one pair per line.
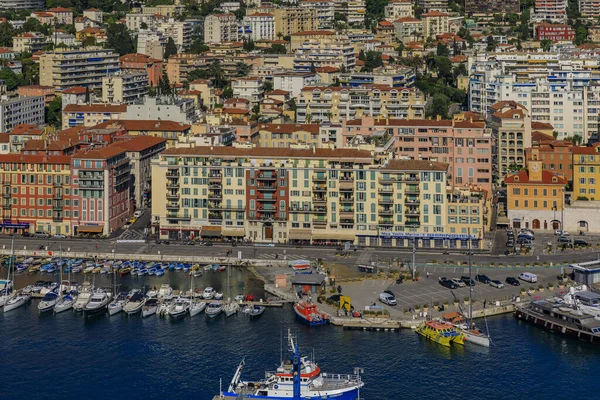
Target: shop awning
333,236
299,234
90,229
240,232
211,231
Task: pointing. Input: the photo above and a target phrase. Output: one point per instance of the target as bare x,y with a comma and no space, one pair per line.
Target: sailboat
6,286
20,298
468,329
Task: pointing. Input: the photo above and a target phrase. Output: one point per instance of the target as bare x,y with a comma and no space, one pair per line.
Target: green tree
165,85
31,72
439,106
54,112
545,44
242,69
443,66
227,92
373,59
32,25
580,34
10,78
6,34
268,86
442,50
119,39
198,47
491,43
88,41
362,56
170,48
248,44
276,49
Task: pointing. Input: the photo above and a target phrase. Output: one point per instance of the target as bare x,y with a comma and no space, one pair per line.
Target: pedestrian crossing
289,257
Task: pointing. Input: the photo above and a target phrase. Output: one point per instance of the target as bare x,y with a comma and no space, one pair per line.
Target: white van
138,214
528,277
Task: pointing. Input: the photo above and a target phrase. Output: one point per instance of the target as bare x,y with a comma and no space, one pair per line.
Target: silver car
388,299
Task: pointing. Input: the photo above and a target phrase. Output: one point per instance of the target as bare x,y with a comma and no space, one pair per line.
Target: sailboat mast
470,283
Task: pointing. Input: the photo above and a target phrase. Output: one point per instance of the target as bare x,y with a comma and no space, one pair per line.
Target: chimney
314,149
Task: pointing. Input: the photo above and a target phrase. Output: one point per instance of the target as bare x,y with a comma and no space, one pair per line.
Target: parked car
389,292
26,234
458,282
467,280
208,243
497,284
510,234
580,242
564,239
510,243
512,281
523,240
560,232
482,278
526,231
388,299
138,214
447,283
525,236
58,236
528,277
41,235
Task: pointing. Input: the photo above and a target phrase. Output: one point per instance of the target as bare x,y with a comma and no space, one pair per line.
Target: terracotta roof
416,165
101,153
74,90
60,9
105,108
26,129
189,92
541,125
145,125
407,19
140,143
510,114
510,103
305,33
34,159
588,150
290,128
434,14
459,59
231,110
4,138
547,178
200,82
277,92
385,23
537,136
137,57
234,100
270,152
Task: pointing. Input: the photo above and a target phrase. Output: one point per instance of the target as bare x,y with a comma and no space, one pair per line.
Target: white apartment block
325,53
262,26
21,110
230,6
550,10
435,23
325,11
354,10
589,8
124,88
151,43
433,5
180,31
399,9
251,89
293,82
220,28
22,4
134,21
94,14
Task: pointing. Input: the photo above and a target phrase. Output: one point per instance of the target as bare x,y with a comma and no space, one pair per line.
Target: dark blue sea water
66,356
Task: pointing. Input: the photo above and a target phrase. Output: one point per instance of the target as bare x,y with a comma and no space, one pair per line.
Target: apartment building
94,14
262,26
22,4
535,197
586,173
491,6
288,135
135,21
353,10
290,20
151,43
29,42
61,15
65,68
207,90
308,195
332,104
220,28
172,132
589,8
294,82
249,88
124,88
180,65
554,32
511,129
298,38
102,177
433,5
180,31
435,23
36,192
90,114
465,145
21,110
318,53
325,11
167,108
47,92
167,10
399,9
408,29
555,155
391,76
141,63
550,11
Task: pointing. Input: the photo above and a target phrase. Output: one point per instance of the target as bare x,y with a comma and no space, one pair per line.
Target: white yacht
65,303
48,302
150,307
85,292
179,308
231,308
16,301
197,307
6,287
214,309
208,293
98,303
135,304
116,306
165,292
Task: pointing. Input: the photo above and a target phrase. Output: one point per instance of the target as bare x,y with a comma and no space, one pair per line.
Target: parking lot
545,242
429,291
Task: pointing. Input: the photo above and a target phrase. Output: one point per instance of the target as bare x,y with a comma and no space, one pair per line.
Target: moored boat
179,308
307,312
254,310
85,292
214,308
135,304
65,303
116,306
441,332
98,303
231,308
150,307
16,301
48,302
471,333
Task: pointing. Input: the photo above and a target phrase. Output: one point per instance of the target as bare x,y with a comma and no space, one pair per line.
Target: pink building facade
465,146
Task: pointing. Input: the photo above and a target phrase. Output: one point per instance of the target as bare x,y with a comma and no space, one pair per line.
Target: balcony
320,210
319,188
266,199
57,205
172,206
386,189
322,200
413,222
173,174
412,211
172,195
319,178
215,195
412,200
385,200
349,214
215,186
409,178
346,199
57,184
267,187
386,211
267,177
92,177
412,189
214,178
347,185
386,222
172,185
6,195
387,180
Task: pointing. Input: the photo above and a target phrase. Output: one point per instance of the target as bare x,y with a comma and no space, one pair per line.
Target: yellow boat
441,332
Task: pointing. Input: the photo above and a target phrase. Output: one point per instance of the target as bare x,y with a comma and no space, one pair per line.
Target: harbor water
69,356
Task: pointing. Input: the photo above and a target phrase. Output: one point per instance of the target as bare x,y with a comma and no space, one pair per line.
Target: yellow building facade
586,173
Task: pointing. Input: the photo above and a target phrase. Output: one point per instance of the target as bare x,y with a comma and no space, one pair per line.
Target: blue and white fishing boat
160,272
298,379
48,302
